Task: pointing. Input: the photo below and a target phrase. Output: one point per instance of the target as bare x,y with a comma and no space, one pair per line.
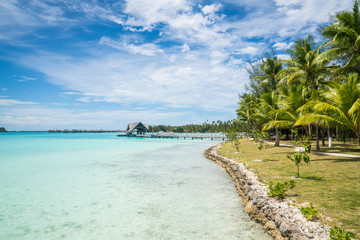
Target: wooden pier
211,136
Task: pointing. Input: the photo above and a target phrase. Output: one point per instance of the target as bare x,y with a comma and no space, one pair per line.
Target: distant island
82,130
2,129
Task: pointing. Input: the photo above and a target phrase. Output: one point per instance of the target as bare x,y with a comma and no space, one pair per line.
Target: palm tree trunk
337,133
277,138
287,134
322,137
292,134
317,137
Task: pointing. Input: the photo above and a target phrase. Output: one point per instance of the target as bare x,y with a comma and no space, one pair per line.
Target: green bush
337,233
279,189
309,212
233,137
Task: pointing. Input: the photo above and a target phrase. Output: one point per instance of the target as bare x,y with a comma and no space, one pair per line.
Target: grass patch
330,183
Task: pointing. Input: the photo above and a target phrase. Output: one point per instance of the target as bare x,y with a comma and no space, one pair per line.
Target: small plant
309,212
298,157
279,189
337,233
234,138
259,137
260,147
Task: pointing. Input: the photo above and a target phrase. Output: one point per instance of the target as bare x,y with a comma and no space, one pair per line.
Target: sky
76,64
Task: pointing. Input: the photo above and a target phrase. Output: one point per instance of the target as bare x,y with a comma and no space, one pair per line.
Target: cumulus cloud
248,50
185,48
211,9
288,19
282,45
116,78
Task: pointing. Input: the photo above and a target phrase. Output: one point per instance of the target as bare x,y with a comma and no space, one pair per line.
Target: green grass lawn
330,183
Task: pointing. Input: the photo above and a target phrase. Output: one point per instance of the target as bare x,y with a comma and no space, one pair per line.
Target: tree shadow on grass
342,149
270,160
314,178
284,153
345,159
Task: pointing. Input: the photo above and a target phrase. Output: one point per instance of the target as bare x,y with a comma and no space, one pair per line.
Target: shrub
233,137
337,233
298,158
279,189
309,212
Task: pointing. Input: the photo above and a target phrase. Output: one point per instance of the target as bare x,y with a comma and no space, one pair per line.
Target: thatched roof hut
138,127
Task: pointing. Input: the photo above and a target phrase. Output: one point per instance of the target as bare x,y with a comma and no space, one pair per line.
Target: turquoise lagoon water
99,186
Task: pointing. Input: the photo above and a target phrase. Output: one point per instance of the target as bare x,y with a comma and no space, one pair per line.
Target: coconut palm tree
247,106
344,36
342,106
270,66
308,65
291,99
267,112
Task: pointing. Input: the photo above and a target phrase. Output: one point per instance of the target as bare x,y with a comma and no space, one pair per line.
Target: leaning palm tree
344,36
342,105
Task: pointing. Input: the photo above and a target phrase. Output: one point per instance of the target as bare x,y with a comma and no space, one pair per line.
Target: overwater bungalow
136,128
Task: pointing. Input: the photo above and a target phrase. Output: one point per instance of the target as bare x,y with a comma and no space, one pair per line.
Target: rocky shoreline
278,218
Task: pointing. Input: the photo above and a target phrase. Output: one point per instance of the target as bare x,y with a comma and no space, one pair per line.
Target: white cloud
185,48
43,118
283,56
70,93
211,9
25,78
10,102
287,2
286,20
147,49
128,80
282,45
248,50
149,13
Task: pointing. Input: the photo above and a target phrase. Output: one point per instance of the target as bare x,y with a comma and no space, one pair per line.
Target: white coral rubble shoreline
278,218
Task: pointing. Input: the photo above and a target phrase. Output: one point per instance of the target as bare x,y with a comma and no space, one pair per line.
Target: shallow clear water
99,186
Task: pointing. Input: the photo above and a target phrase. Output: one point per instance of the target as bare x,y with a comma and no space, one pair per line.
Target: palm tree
269,68
267,112
247,105
344,36
291,99
308,65
342,106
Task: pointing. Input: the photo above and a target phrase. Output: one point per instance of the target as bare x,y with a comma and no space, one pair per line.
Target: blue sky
101,64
